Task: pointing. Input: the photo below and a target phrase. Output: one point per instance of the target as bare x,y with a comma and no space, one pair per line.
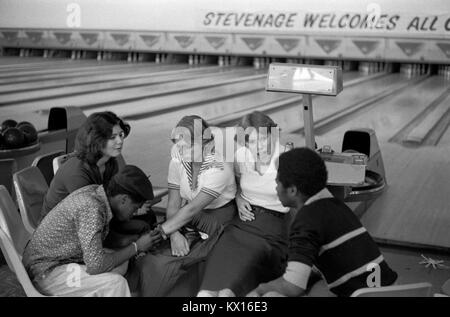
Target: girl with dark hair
98,145
201,202
253,248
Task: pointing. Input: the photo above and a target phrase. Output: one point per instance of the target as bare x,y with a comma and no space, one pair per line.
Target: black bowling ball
29,132
23,123
1,141
13,138
8,124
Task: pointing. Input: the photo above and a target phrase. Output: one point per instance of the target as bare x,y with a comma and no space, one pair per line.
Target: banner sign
348,22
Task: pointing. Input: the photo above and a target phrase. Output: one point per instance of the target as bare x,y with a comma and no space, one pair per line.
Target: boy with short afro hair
325,233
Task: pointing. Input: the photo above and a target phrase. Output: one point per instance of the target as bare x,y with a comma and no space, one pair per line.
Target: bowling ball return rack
360,146
62,127
26,150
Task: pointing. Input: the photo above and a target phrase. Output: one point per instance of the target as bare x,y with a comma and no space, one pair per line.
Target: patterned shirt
72,232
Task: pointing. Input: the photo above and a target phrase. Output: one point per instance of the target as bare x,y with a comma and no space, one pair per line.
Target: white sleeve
217,179
174,175
297,273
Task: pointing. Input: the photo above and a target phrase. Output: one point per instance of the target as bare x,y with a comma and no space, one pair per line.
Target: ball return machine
356,174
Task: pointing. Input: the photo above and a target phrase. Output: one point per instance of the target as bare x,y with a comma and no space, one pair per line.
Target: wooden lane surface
292,119
390,115
55,81
415,209
62,68
120,96
149,78
445,140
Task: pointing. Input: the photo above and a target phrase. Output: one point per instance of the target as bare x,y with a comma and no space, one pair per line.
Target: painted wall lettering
247,19
373,20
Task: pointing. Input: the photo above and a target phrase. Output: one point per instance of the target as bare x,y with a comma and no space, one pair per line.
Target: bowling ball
1,141
23,123
13,138
29,132
8,124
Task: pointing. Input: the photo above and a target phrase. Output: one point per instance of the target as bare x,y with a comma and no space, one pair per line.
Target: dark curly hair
113,189
304,169
94,133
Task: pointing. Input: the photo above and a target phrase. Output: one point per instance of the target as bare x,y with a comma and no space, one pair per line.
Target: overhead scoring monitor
304,79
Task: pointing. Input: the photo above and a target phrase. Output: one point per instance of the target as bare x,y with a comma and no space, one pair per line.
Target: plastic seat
31,187
60,160
446,288
406,290
7,168
13,239
11,223
45,164
15,263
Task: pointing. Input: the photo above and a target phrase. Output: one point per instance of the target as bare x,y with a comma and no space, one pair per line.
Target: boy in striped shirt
325,233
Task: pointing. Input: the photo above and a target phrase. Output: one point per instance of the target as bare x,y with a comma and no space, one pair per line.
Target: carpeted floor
406,262
9,285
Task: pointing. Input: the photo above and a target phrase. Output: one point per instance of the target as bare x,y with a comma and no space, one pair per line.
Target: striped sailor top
327,234
216,178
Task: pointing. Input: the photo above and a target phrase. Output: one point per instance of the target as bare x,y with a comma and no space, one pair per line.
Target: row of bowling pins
261,62
76,54
160,58
197,59
24,52
444,70
295,61
334,63
411,70
227,60
371,67
134,57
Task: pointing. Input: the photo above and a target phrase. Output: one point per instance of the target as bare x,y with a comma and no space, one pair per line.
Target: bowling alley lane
324,106
391,114
142,79
87,66
95,70
55,81
102,100
445,140
183,94
7,62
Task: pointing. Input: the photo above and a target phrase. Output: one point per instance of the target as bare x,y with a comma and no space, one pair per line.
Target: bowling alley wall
401,30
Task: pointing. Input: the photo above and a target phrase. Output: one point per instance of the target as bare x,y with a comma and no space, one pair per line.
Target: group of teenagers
265,225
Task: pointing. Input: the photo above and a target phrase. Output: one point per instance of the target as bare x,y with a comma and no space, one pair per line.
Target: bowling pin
256,62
